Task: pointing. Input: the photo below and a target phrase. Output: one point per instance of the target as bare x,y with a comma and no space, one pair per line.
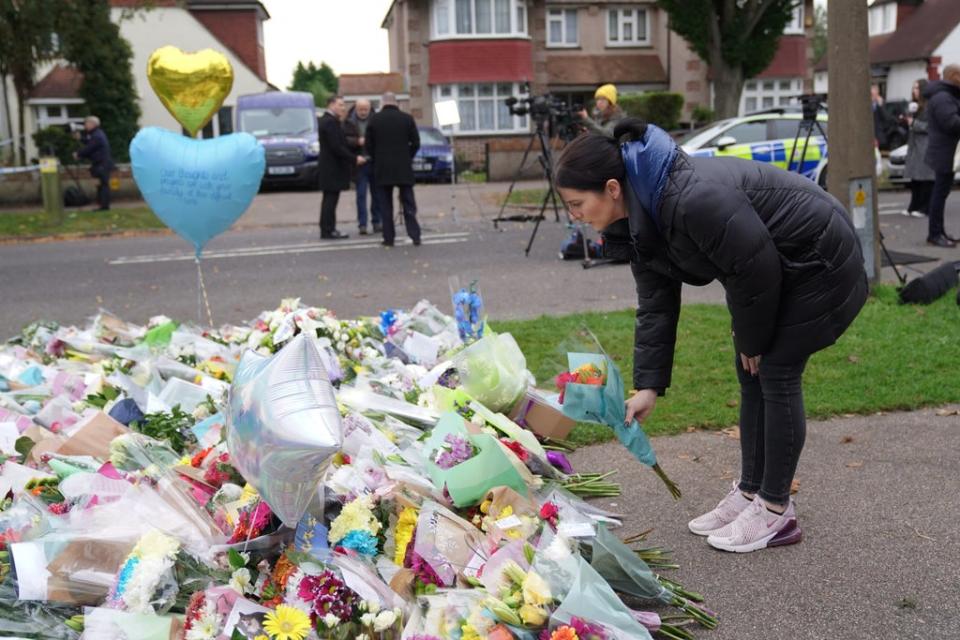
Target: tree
92,42
26,41
320,81
737,38
819,33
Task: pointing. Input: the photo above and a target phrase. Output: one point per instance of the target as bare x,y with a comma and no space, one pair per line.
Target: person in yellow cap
607,113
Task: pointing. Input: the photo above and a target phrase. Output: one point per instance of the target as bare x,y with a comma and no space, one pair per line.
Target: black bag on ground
572,247
931,286
73,196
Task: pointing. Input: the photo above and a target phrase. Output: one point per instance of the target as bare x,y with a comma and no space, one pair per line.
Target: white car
897,162
768,136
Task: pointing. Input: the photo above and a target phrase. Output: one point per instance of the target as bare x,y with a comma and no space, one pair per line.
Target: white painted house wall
147,31
949,49
901,77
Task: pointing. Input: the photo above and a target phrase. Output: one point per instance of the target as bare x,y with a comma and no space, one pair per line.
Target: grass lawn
892,357
526,196
17,224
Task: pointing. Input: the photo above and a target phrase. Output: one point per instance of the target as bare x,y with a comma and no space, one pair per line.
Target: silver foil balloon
283,425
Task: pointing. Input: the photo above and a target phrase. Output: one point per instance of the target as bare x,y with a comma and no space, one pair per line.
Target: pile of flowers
125,498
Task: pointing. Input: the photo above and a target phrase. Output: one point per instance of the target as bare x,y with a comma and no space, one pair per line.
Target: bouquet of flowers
593,391
454,450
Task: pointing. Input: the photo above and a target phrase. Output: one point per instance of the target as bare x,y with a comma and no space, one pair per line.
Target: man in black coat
336,162
97,151
392,141
943,132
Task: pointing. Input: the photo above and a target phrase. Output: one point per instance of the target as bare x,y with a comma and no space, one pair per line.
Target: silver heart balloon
283,425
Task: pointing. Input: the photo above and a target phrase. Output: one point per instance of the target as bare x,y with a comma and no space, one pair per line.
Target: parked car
285,123
434,160
767,136
897,160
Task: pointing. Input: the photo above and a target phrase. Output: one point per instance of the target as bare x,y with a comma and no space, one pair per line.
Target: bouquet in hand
593,392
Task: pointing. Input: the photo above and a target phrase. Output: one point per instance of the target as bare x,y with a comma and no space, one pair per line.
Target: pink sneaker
758,528
725,513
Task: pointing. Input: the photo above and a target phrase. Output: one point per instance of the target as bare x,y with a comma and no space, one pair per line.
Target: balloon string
202,295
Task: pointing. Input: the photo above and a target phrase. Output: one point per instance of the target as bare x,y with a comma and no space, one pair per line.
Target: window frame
781,97
795,26
445,28
619,42
562,18
451,91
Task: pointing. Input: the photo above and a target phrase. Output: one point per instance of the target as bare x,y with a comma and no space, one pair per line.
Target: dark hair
591,159
921,100
333,99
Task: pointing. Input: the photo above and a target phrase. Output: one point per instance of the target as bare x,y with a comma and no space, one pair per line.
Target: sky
345,34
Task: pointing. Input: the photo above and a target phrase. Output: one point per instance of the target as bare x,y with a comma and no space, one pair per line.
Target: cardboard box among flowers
302,477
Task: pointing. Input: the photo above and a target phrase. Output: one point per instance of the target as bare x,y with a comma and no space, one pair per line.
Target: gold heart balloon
192,86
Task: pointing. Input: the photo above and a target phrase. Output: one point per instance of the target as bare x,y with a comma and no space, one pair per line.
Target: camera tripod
812,105
545,158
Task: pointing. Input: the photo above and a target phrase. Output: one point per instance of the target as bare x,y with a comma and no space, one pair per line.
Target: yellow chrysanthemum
406,524
355,515
287,623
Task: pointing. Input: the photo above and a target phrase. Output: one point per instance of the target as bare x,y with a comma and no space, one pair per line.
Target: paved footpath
878,505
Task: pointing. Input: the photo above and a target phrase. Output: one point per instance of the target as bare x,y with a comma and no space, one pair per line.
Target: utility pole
851,174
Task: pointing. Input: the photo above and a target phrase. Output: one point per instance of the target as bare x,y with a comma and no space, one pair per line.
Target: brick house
909,39
232,27
480,52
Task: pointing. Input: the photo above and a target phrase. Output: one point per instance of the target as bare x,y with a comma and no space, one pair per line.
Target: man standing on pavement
336,162
97,151
943,133
392,141
356,130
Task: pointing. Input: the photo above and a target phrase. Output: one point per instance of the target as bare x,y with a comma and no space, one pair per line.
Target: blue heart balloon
197,187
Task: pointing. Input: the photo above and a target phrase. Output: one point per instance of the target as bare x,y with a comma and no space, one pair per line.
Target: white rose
331,620
384,620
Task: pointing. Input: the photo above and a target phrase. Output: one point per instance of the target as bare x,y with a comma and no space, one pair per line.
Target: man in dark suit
392,140
943,133
336,161
97,150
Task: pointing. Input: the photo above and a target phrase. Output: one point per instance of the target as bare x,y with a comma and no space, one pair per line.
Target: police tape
7,170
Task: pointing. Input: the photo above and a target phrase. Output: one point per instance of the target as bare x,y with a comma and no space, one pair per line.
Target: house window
62,115
883,19
562,28
627,27
795,26
769,93
482,107
479,18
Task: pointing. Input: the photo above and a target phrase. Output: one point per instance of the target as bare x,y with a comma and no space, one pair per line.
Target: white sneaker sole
702,532
790,534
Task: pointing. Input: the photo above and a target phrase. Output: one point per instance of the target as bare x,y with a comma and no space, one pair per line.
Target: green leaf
24,445
236,560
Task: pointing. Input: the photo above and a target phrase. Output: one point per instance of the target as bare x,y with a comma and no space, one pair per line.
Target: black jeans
773,428
328,212
920,191
942,184
385,194
103,189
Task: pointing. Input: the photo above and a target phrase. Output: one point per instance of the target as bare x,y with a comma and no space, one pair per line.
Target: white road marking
311,247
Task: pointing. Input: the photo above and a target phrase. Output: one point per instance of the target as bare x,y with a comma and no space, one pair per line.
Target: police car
767,136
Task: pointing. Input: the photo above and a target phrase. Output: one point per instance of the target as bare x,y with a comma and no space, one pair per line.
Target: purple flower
560,461
454,451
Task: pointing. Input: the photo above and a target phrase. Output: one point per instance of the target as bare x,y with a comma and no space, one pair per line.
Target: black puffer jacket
943,129
784,250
